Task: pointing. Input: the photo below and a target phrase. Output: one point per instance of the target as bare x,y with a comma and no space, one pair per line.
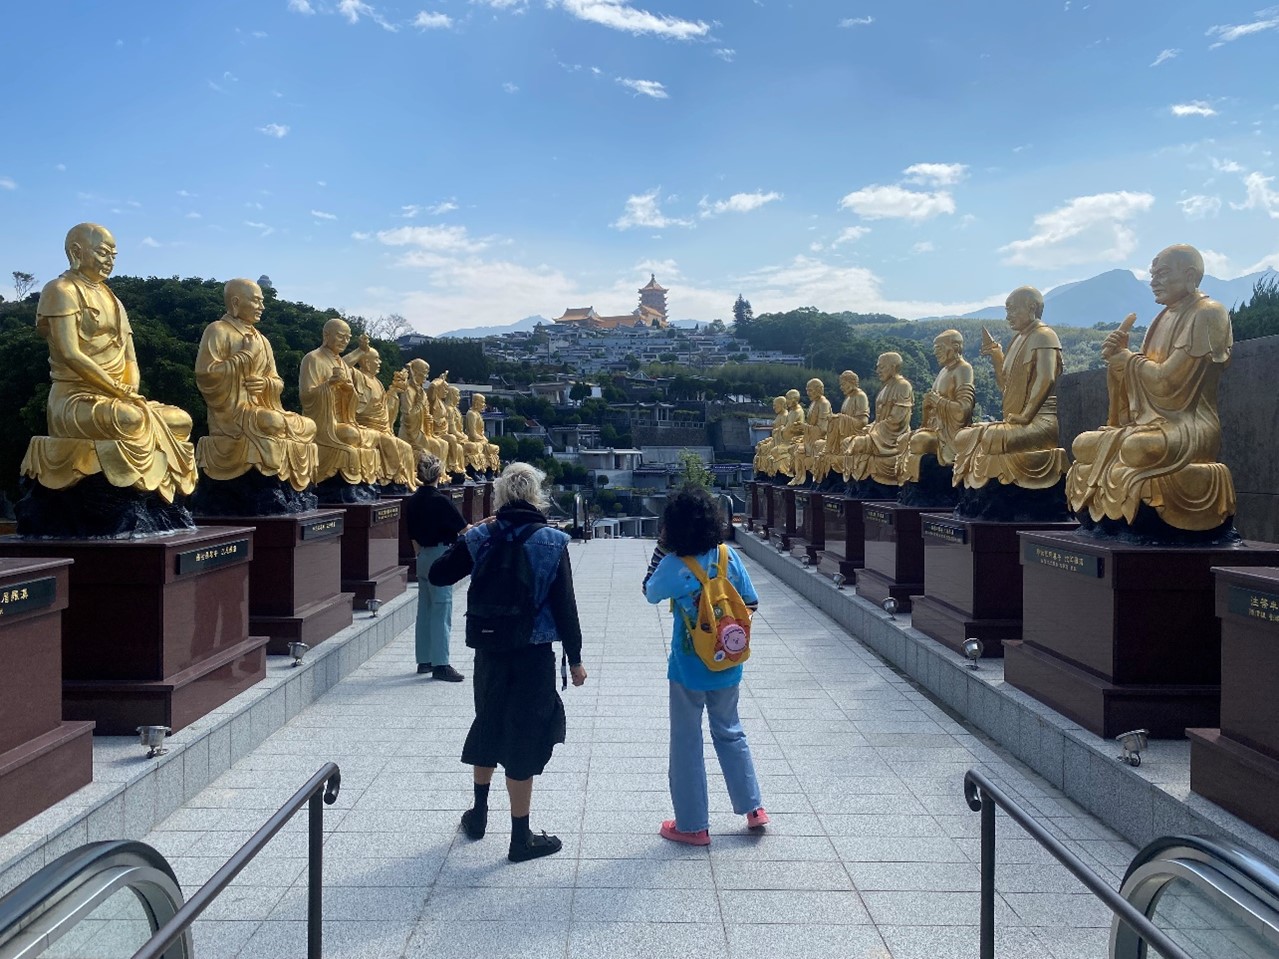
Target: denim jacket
543,548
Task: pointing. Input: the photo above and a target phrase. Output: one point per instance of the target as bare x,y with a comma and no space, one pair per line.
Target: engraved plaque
322,528
941,529
1253,604
1055,557
877,514
384,514
26,596
211,557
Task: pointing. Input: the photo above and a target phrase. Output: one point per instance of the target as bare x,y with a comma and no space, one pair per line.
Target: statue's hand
255,385
364,341
1017,419
1115,341
993,350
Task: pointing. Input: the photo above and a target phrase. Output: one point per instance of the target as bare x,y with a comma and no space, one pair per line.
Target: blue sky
470,163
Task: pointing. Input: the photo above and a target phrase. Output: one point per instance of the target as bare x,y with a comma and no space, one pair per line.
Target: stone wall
1249,405
669,436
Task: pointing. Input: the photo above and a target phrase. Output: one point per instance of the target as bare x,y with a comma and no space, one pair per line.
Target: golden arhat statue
1021,449
347,450
416,426
98,421
1160,444
816,422
763,461
948,408
248,425
375,409
873,455
446,430
484,454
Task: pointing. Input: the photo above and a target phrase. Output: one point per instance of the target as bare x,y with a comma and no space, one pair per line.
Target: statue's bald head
337,333
90,249
849,381
792,397
420,368
951,339
239,288
1026,297
1182,259
888,364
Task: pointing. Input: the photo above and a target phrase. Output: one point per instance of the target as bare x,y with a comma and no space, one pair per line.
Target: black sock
475,820
519,830
482,797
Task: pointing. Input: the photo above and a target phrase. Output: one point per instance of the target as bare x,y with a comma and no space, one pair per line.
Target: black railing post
315,879
987,876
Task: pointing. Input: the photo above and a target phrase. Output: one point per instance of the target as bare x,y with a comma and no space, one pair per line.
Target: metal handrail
48,904
320,789
983,796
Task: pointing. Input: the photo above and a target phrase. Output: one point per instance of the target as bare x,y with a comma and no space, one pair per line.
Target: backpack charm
721,632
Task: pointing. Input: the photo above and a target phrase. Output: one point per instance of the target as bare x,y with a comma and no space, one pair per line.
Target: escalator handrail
61,877
1216,852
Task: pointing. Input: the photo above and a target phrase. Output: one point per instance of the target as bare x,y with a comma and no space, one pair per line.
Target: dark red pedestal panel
157,629
42,758
894,554
844,551
371,552
1120,636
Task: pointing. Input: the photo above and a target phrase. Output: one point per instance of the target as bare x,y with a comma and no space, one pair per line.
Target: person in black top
434,524
519,716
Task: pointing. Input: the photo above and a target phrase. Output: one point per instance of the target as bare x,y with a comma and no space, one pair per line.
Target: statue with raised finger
925,455
375,409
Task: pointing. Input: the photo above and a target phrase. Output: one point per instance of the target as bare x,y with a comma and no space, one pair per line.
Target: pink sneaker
699,838
757,820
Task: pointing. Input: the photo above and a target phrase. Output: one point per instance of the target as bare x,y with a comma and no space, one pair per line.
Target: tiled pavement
872,853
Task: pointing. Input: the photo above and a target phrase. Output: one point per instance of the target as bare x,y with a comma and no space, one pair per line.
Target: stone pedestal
813,529
972,580
42,758
753,512
371,552
486,509
156,630
785,529
1119,636
295,579
1237,765
894,554
844,551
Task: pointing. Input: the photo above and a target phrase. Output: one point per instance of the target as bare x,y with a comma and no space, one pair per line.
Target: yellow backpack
721,634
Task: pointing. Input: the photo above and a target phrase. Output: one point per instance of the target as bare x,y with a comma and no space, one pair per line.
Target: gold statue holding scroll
487,456
948,408
763,461
327,388
873,454
1163,434
249,428
375,409
816,422
98,421
1021,449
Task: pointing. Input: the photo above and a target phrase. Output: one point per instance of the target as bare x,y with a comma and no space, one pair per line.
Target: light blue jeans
687,770
434,611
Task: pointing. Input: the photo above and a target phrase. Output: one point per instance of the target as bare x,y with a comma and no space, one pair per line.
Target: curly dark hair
691,522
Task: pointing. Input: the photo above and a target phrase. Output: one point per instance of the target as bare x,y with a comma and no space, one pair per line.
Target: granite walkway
872,853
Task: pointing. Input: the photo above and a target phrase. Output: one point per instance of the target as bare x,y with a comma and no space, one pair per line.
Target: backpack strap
695,568
721,565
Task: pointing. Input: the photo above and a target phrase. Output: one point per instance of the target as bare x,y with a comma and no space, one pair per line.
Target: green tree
742,313
694,471
23,283
579,391
1260,315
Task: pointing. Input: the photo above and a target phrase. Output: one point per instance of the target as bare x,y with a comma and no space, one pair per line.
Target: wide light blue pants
434,611
687,769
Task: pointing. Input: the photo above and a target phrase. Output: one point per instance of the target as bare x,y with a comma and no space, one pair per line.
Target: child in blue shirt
691,528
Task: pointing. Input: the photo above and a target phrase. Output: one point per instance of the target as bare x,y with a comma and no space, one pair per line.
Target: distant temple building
650,314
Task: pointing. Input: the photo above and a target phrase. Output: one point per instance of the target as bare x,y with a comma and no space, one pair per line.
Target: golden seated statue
948,408
873,455
487,456
763,460
249,428
1163,433
808,452
851,420
1021,449
327,388
416,426
375,408
98,421
445,429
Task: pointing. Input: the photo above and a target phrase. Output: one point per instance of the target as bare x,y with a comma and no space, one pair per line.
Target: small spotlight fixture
373,605
806,561
297,650
890,606
973,649
839,579
1133,742
152,737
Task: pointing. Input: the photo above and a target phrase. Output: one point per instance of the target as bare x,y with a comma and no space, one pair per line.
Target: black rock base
934,489
393,489
94,509
999,503
336,491
1147,529
251,494
869,489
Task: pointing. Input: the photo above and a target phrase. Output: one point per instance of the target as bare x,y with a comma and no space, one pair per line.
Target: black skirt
519,716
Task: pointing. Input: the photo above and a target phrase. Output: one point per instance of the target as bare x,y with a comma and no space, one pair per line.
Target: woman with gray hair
519,717
434,523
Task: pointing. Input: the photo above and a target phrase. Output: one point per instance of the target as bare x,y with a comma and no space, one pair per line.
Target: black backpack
500,602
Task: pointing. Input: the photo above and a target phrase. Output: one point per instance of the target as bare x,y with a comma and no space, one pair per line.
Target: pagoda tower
653,295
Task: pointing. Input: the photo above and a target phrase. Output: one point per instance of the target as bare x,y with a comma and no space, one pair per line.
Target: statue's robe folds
807,455
141,445
944,416
373,411
480,451
346,449
1017,455
873,455
416,427
454,459
245,431
1161,443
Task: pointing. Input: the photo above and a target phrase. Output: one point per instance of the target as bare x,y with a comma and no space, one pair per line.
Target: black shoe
447,673
474,822
424,668
535,847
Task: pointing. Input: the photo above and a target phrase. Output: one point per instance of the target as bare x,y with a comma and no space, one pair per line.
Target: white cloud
510,87
936,174
503,4
409,211
726,54
259,34
321,215
894,202
301,6
277,130
1260,196
444,206
194,216
150,241
431,240
1195,108
1215,264
857,22
1088,229
815,247
354,9
8,183
649,88
618,15
432,21
1225,33
361,236
266,230
1225,166
1199,207
1165,56
850,234
60,167
923,246
645,210
737,203
187,193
